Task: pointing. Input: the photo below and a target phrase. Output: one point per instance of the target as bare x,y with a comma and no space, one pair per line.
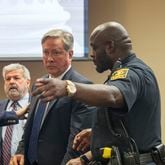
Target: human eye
94,47
7,79
45,53
17,77
57,52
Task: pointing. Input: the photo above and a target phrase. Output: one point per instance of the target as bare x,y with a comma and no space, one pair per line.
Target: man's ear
109,47
70,54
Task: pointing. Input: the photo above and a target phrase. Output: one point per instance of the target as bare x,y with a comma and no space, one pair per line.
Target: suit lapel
52,103
65,77
3,104
68,74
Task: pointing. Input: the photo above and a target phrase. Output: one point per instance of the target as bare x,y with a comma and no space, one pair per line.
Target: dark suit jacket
65,118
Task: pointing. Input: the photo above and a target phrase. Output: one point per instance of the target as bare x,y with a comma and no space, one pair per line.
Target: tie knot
14,105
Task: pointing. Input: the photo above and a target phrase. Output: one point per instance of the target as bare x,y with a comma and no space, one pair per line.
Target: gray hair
16,66
66,37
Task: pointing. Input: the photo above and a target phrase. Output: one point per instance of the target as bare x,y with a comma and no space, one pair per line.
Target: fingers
49,89
76,146
47,99
75,161
44,88
76,141
13,161
17,160
40,85
21,112
22,161
48,95
81,141
83,145
41,81
38,91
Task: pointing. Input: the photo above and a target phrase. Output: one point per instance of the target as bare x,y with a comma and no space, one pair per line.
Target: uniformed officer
128,119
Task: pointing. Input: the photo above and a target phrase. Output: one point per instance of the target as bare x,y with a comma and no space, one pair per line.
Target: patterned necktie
32,150
6,146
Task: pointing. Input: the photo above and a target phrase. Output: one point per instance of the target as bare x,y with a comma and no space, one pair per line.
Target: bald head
112,31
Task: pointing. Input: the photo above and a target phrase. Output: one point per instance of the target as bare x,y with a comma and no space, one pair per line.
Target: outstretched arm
12,117
92,94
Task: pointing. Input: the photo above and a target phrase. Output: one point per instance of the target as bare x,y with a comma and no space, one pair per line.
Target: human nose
12,80
50,57
92,54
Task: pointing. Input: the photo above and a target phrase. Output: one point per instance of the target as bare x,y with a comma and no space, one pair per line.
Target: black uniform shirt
141,116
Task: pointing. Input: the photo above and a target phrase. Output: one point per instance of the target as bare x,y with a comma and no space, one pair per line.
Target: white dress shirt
48,103
18,129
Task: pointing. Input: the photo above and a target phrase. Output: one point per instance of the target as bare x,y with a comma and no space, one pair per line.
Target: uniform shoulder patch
119,74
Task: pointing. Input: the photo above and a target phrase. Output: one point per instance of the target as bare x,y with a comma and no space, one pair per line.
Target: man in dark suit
11,117
64,117
16,86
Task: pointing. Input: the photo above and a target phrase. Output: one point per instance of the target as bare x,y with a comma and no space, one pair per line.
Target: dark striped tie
6,146
32,150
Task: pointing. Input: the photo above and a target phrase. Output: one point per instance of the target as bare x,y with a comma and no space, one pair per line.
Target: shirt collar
22,102
62,75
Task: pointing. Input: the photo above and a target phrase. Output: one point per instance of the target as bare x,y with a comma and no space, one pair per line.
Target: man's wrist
84,159
70,88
